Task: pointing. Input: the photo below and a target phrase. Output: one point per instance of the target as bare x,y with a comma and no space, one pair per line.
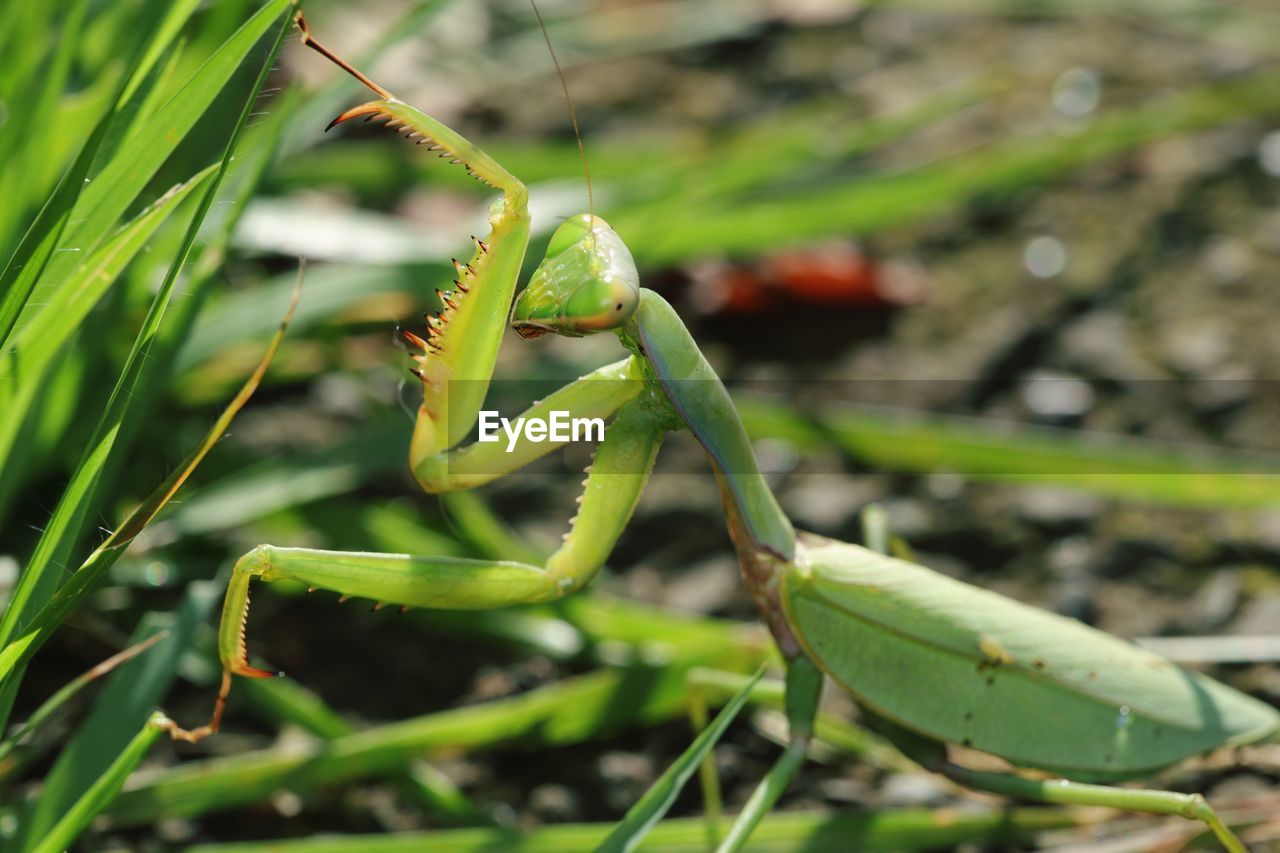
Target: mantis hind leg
1065,792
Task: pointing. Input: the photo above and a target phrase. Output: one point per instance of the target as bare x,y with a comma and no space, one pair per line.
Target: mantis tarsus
931,661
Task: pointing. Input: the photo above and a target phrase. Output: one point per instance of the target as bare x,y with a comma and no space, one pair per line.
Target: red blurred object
836,274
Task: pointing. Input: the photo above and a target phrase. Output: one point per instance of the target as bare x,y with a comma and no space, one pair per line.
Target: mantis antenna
573,114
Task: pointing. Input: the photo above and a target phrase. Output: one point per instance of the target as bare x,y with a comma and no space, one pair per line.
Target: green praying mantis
931,661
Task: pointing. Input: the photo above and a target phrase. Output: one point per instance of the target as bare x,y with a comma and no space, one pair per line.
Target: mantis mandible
930,660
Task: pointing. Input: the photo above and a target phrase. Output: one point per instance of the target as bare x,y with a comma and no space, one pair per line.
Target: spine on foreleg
465,337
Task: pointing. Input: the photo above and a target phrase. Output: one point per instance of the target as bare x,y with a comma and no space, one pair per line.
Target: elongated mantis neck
762,535
699,398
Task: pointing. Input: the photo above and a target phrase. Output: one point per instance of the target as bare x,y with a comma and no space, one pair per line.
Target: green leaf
37,346
1115,466
36,113
570,711
12,759
33,252
125,703
655,803
114,188
811,832
16,654
750,224
63,530
101,793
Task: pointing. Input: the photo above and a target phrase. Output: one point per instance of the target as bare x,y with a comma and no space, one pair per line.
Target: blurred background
1006,267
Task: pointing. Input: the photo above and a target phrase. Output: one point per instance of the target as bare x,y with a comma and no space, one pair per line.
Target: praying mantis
930,661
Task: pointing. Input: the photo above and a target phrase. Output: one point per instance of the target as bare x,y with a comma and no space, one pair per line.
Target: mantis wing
965,665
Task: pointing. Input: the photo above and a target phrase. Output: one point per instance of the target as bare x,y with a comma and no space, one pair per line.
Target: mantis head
586,283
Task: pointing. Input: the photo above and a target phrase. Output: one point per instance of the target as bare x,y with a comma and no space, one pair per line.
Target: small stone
626,776
287,803
1058,508
1070,557
843,791
555,803
1269,153
1260,616
1196,345
1045,256
1053,395
1266,529
1072,594
705,587
1229,259
908,518
945,485
913,789
175,830
822,502
1216,600
1227,388
1076,92
1103,343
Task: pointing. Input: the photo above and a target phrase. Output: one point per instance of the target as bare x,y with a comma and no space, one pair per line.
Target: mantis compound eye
587,283
601,304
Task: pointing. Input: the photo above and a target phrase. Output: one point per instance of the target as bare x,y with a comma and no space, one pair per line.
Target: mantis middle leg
803,690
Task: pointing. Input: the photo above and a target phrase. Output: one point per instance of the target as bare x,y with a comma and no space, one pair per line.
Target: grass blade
103,791
29,259
432,790
19,184
570,711
883,201
1119,467
18,652
812,832
10,762
655,803
77,500
129,697
37,345
114,188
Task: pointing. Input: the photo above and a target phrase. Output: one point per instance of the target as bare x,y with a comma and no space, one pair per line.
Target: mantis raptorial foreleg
615,480
599,394
457,357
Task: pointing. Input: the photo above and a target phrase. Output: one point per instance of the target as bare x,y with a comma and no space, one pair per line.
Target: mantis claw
243,669
369,110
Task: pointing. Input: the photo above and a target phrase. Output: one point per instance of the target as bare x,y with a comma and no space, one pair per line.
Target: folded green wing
965,665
